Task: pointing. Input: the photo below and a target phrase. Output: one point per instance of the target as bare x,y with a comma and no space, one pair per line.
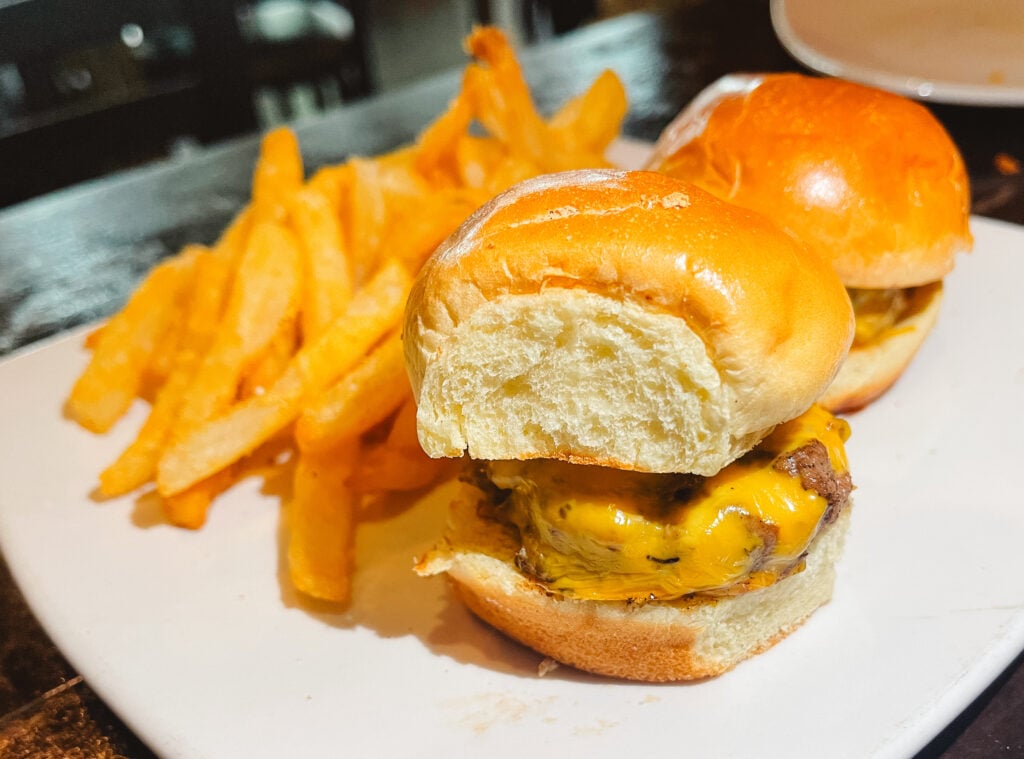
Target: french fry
320,523
502,97
278,174
398,463
137,464
328,281
476,158
274,360
402,160
232,244
367,216
589,122
114,375
333,183
412,237
378,187
436,146
373,311
361,399
189,508
265,292
511,171
92,339
161,362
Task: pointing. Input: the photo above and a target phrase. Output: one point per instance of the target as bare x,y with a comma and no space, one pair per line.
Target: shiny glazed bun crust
624,319
869,179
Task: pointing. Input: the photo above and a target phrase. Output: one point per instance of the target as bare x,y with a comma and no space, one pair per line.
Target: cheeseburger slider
630,364
868,179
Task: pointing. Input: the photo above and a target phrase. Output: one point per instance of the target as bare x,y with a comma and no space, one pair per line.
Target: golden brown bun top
645,261
868,178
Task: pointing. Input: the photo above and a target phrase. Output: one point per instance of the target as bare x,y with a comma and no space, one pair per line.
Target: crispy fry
373,311
511,171
189,508
378,189
328,285
414,235
367,216
274,360
399,463
502,97
437,144
265,293
137,464
232,243
92,338
589,122
124,348
320,523
476,158
161,362
403,159
333,182
278,174
361,399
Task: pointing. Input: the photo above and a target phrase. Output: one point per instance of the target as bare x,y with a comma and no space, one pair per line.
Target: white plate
950,51
196,642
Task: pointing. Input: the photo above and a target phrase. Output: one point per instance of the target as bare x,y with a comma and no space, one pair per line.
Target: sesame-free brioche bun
867,178
682,640
624,319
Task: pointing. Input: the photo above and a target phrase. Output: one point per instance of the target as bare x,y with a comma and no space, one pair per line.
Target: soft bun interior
619,318
869,179
590,378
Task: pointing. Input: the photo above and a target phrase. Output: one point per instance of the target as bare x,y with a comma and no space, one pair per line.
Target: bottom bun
655,642
871,369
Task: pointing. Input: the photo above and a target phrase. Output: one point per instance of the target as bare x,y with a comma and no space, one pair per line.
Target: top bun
869,179
625,319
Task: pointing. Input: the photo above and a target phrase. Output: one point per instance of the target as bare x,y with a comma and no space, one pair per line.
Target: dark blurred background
92,86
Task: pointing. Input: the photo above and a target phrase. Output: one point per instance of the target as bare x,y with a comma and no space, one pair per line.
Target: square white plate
193,638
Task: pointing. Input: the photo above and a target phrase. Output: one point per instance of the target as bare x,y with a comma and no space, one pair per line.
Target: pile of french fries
281,342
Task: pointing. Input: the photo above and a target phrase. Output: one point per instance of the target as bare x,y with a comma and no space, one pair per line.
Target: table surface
73,256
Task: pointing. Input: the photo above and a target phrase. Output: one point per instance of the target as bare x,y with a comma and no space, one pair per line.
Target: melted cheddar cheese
879,313
604,534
